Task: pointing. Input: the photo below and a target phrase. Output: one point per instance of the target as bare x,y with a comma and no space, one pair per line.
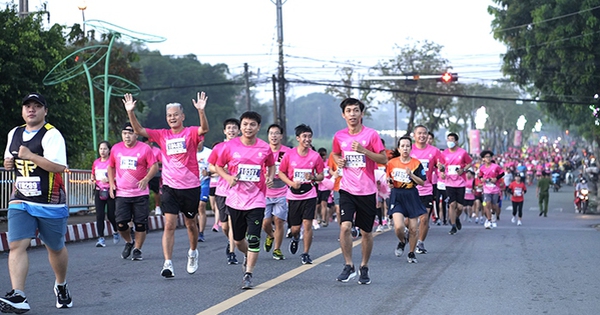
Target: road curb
85,231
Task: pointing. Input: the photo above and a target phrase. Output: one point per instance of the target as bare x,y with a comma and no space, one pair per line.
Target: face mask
450,144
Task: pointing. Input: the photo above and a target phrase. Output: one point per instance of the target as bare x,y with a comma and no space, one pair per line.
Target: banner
474,142
518,138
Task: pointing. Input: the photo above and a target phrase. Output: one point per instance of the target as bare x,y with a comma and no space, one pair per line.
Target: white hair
174,105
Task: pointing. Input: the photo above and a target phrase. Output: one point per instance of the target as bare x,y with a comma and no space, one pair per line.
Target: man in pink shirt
490,174
276,210
429,156
299,169
181,176
357,150
131,166
247,158
455,162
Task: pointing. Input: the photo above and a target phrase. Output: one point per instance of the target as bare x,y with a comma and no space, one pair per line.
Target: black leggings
518,207
101,205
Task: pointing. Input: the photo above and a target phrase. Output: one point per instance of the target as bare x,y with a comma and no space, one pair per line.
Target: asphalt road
547,266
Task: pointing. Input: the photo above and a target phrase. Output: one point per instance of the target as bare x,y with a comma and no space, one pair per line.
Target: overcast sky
319,35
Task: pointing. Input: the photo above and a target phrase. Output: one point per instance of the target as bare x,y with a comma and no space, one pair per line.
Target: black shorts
132,208
456,194
154,184
223,209
363,206
246,222
479,197
211,191
323,195
301,210
469,203
427,201
184,200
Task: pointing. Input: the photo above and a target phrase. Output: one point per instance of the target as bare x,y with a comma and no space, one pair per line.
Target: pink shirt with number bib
248,163
489,172
100,172
454,161
279,187
428,157
178,156
296,167
359,172
131,165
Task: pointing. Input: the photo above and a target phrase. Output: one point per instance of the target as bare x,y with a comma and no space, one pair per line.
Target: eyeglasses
274,133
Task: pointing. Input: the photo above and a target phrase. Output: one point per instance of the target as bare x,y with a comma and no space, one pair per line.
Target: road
547,266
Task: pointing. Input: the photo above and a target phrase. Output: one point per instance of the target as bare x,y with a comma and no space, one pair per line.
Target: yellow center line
237,299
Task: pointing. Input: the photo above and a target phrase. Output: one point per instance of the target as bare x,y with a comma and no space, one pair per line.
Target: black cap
36,97
128,127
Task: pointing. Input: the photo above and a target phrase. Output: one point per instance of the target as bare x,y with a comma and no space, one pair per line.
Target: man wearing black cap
37,153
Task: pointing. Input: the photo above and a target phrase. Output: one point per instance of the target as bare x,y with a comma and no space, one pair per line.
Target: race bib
277,167
176,146
29,186
128,163
301,174
479,189
490,184
249,173
518,192
101,174
453,169
400,175
425,164
355,159
441,186
468,190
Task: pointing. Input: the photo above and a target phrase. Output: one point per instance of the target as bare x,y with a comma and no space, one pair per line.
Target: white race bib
300,175
518,192
176,146
453,169
400,175
249,172
468,190
277,167
441,186
101,174
128,163
425,163
29,186
355,159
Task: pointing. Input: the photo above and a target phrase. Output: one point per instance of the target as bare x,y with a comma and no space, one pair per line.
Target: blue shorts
22,225
276,207
205,190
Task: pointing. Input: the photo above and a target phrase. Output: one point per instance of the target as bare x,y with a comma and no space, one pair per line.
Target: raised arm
200,104
129,107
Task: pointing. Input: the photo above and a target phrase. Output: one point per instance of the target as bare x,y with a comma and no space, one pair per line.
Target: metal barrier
79,189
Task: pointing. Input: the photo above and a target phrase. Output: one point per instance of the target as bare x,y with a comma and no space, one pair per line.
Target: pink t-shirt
131,165
100,172
221,183
428,157
296,166
248,163
469,192
359,172
488,172
178,156
279,187
454,160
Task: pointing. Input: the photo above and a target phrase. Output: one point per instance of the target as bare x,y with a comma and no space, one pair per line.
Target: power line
547,20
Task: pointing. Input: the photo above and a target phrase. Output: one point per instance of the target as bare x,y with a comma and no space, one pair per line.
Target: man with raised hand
181,176
357,151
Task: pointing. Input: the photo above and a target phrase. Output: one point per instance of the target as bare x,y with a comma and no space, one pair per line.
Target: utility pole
23,8
275,116
246,77
280,75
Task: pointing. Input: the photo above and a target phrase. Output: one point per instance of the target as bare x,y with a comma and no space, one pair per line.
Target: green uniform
543,188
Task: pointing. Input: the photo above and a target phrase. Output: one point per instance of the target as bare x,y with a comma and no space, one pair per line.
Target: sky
320,36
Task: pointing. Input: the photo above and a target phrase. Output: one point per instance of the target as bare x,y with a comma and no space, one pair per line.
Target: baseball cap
36,97
128,127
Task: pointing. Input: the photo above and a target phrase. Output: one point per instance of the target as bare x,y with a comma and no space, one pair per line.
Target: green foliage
318,110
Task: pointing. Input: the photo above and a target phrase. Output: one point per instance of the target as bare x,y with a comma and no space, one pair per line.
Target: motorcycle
569,178
582,196
555,181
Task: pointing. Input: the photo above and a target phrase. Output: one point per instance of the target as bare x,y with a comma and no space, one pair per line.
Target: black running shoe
458,224
453,230
136,255
363,278
14,302
127,250
306,259
347,274
63,297
293,246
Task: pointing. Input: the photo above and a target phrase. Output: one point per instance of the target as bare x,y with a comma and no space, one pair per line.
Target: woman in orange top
405,173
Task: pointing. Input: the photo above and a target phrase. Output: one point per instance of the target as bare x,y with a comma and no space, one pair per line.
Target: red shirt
518,191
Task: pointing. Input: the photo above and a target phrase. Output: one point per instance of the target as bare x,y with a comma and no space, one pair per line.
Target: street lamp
82,6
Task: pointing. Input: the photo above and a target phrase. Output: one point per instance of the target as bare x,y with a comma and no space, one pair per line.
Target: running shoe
399,249
200,236
354,232
116,238
63,297
277,255
192,264
268,244
157,211
458,224
487,224
411,258
316,224
519,223
363,277
167,270
215,228
406,235
100,242
306,259
513,220
247,281
379,229
421,248
136,255
232,259
347,274
227,249
14,302
494,225
293,246
127,250
476,220
288,234
453,230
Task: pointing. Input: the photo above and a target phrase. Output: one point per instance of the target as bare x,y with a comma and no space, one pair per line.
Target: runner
456,162
246,159
131,166
405,173
299,169
276,209
181,183
491,175
37,153
517,190
357,150
429,156
202,158
105,205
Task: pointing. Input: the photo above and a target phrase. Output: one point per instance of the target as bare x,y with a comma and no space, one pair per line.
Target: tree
27,53
347,89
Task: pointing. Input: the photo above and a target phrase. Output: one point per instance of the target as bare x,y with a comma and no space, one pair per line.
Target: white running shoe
157,211
379,228
513,220
487,224
519,223
167,270
192,264
494,225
